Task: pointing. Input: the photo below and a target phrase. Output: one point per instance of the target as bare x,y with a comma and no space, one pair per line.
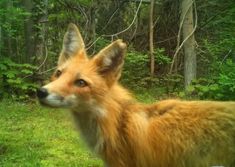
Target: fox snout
55,100
42,93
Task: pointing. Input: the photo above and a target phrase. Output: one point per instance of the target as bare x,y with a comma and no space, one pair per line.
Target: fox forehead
74,62
77,68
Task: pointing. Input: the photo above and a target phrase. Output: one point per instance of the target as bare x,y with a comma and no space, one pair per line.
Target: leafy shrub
173,83
220,87
136,72
101,43
160,57
14,82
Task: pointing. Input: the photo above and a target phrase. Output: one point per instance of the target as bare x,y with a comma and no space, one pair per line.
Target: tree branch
113,35
182,44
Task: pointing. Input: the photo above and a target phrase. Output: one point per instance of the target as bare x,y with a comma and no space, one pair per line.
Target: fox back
126,133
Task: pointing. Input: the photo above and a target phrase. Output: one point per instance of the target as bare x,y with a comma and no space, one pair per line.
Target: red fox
126,133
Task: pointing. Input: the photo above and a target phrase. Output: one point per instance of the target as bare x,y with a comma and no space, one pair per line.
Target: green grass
31,135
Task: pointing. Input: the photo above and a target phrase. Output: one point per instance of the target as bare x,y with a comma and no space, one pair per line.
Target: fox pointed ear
72,44
109,61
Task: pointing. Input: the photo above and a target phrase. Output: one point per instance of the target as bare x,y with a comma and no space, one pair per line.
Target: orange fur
126,133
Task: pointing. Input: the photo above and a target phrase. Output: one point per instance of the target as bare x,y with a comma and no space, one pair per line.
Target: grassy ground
31,135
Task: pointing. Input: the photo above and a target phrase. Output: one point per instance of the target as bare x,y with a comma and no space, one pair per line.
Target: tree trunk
151,47
91,30
93,24
0,42
9,47
29,41
189,45
41,42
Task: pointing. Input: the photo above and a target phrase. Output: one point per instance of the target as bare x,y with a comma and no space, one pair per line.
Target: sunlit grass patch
31,135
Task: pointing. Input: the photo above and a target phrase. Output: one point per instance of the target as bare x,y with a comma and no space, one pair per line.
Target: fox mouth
54,102
44,103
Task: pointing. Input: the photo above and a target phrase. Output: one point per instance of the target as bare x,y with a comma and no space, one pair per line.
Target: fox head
78,79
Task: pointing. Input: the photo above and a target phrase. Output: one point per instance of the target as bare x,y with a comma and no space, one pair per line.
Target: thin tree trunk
10,52
29,41
41,46
151,47
0,42
93,24
189,45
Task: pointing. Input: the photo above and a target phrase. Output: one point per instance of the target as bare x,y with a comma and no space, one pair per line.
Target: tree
29,41
189,41
8,38
41,39
151,47
0,41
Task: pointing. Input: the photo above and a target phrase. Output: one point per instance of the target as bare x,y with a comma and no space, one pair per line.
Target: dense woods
182,48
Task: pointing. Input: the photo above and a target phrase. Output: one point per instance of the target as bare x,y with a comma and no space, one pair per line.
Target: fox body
126,133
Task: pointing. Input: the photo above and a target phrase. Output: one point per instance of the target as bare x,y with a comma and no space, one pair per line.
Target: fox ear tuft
72,43
110,60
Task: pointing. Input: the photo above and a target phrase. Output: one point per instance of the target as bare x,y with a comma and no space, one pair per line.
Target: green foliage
136,71
216,35
216,54
99,44
12,18
220,87
172,83
160,57
16,79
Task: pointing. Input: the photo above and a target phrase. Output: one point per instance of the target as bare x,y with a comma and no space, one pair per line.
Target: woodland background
176,48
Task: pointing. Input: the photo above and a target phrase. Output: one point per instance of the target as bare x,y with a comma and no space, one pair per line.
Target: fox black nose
42,93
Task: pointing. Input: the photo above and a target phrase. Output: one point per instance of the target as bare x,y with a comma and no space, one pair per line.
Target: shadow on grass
3,149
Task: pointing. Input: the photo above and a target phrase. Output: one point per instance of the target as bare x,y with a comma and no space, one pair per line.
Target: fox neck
99,122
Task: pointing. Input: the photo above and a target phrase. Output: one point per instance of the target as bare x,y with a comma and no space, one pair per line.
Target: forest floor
32,135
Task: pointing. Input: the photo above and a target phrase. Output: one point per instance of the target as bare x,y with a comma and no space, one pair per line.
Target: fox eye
58,73
80,83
